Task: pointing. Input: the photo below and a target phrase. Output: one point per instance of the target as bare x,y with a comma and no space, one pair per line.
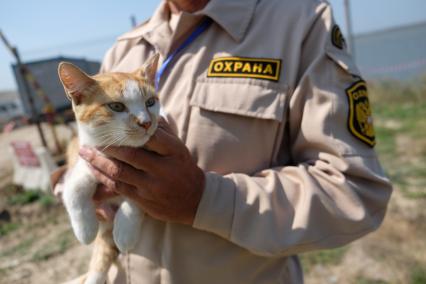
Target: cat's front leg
127,225
79,189
103,256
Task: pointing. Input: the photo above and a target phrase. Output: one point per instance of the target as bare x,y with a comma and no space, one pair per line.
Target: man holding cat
263,155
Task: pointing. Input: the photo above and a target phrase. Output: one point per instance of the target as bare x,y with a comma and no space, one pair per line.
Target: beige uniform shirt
273,109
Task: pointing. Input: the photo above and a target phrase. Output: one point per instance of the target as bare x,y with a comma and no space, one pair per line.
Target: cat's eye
150,102
117,107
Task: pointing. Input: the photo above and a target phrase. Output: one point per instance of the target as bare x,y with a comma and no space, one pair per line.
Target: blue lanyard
200,29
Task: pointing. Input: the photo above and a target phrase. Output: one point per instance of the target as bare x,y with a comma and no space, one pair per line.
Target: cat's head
113,108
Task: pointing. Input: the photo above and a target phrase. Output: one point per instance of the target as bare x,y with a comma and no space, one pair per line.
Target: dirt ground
393,254
43,248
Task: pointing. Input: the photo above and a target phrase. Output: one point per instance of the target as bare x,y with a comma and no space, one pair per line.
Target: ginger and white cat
119,109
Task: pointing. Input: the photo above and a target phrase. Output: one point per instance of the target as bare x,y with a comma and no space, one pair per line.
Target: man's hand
163,180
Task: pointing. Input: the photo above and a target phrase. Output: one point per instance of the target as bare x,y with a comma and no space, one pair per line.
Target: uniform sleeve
109,60
334,191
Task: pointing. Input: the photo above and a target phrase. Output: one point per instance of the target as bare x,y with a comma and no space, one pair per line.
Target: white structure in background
10,106
31,166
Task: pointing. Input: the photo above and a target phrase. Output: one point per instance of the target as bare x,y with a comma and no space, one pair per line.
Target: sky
87,28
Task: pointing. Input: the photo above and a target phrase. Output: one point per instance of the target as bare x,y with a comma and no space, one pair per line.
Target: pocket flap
244,99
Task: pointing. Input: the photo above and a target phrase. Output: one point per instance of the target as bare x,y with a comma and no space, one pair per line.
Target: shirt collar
234,16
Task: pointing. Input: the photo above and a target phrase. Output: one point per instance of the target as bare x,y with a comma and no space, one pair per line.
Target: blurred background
387,39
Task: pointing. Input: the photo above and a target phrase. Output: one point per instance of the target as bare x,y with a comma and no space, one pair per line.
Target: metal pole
351,44
21,69
133,21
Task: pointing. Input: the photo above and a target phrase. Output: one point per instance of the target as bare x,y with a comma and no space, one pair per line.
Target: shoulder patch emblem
360,119
337,37
241,67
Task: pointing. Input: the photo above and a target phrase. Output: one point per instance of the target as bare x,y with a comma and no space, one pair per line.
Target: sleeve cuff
216,209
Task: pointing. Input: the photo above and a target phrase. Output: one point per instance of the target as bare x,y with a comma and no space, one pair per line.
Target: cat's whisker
109,137
109,134
114,142
110,143
108,130
123,140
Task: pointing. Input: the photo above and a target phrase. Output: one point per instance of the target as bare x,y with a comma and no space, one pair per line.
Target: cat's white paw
84,223
83,220
95,278
77,198
127,226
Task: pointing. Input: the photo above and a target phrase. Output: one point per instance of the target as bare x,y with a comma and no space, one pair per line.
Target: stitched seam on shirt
233,219
247,21
244,81
187,122
333,111
233,111
281,128
370,156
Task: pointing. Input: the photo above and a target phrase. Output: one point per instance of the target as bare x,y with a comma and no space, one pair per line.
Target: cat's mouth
140,132
138,137
137,133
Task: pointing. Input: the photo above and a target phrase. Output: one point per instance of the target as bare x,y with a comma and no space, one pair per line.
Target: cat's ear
149,69
74,81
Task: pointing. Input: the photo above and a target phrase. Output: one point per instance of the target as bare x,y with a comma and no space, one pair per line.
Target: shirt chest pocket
235,124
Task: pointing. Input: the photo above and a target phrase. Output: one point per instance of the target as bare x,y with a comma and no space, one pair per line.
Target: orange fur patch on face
114,84
109,88
95,113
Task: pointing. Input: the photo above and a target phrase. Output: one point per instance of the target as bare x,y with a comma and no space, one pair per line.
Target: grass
47,200
418,275
57,247
386,144
17,197
23,198
8,228
363,280
400,112
19,249
323,257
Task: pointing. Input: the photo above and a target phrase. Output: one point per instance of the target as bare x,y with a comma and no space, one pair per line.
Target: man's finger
102,216
105,212
103,193
122,188
138,158
163,141
112,185
115,170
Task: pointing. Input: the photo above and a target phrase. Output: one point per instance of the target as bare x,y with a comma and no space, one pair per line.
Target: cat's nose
145,125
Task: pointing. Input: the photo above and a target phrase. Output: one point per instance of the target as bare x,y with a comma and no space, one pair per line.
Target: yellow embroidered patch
337,37
360,120
240,67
